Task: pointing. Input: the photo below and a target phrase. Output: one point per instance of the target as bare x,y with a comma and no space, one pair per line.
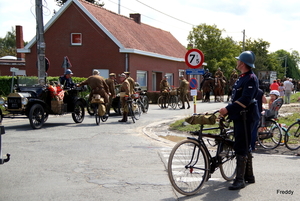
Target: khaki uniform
219,75
98,86
184,89
132,84
125,87
164,85
234,76
111,86
164,89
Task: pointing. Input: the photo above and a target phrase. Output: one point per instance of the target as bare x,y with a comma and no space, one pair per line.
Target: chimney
136,17
20,42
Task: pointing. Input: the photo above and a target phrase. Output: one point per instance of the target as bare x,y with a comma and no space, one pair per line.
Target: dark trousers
242,139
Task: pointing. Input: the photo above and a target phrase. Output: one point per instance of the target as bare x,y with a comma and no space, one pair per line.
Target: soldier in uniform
243,111
131,82
111,86
234,75
219,75
207,75
164,90
125,89
98,86
184,90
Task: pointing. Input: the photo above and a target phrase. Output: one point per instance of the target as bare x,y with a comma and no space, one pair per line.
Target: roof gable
131,37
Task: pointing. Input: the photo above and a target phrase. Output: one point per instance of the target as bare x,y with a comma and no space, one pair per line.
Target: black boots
239,181
249,177
124,119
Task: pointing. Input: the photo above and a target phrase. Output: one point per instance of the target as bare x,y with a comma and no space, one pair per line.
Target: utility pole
243,40
40,42
285,66
119,9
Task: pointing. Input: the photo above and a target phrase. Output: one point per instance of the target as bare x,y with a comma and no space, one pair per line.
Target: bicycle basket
173,92
202,119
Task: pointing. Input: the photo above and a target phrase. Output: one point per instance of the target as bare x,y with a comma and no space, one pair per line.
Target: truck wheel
36,116
78,114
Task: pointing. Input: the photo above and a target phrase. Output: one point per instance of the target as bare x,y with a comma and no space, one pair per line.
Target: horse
230,83
207,87
218,90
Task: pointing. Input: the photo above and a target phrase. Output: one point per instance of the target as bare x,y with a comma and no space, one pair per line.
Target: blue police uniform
243,98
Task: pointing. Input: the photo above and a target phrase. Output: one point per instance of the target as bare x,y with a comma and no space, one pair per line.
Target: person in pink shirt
274,85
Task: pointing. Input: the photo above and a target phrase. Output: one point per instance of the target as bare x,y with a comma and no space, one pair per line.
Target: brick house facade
95,38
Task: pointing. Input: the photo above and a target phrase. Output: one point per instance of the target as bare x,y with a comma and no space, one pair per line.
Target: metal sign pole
41,45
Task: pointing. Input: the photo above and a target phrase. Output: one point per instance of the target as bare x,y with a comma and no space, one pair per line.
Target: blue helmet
248,57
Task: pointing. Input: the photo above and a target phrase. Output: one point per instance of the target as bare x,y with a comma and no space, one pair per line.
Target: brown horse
230,83
207,87
218,90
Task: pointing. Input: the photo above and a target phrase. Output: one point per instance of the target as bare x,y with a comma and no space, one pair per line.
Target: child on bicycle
275,104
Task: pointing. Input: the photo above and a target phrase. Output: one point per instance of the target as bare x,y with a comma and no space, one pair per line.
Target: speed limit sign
194,58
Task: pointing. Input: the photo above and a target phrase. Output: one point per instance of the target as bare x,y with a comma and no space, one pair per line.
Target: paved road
120,161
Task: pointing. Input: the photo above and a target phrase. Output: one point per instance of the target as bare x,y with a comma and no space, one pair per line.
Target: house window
142,79
76,39
170,79
103,72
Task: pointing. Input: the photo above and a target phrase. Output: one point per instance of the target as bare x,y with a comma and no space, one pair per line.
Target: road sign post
194,58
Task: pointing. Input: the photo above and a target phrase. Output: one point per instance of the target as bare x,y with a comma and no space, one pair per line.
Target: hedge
6,81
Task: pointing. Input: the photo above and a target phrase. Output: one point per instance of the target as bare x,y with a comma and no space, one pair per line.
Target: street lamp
285,57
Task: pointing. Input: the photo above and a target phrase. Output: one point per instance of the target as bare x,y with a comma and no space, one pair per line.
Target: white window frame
74,43
144,74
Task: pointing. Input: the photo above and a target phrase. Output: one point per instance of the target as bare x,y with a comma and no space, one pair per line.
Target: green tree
62,2
8,44
218,51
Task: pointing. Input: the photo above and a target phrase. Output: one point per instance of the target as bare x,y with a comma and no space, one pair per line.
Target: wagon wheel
78,114
36,116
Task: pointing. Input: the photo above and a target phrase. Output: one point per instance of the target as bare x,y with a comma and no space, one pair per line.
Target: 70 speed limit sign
194,58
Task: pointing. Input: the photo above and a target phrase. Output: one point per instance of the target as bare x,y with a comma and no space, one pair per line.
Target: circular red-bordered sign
193,83
194,58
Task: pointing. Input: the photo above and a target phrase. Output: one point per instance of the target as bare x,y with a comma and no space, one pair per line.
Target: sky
274,21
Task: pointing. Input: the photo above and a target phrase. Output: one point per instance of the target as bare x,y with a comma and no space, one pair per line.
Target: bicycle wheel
137,110
160,102
292,136
173,102
145,102
228,161
97,117
130,111
269,137
188,167
179,104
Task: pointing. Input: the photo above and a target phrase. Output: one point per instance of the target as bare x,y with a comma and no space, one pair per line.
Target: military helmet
248,57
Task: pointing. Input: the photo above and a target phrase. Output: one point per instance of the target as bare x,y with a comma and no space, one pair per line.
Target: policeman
111,86
243,111
66,80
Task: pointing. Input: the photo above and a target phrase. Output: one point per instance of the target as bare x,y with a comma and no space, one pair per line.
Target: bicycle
269,133
134,109
143,100
292,136
99,110
172,99
190,163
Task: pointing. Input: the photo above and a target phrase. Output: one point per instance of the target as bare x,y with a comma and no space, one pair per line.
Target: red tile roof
136,36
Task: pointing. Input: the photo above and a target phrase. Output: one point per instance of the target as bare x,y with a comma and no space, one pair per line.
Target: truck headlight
24,101
2,101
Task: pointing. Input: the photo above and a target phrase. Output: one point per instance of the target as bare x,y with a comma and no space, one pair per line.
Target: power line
165,13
